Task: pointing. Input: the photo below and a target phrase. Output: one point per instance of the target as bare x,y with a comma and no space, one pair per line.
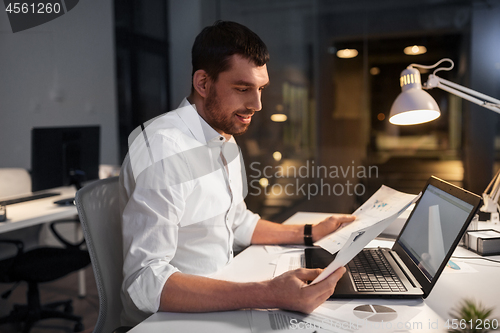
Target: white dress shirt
181,195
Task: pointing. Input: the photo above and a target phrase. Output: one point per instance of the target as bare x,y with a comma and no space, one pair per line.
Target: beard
220,120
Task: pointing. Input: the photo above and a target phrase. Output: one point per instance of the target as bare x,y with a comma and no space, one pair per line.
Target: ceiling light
277,156
264,182
279,117
374,71
347,53
415,50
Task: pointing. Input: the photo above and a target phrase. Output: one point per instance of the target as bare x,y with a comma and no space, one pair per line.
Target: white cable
436,64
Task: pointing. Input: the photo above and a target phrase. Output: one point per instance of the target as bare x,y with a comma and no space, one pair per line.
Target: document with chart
376,214
382,207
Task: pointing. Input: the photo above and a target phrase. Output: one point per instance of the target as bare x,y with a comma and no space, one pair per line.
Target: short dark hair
215,44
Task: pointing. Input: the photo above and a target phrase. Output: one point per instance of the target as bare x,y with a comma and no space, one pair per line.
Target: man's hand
291,291
274,233
329,225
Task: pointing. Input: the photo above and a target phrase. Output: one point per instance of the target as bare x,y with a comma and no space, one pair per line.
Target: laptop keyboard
371,271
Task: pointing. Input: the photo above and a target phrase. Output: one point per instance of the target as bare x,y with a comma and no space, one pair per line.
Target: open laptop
421,251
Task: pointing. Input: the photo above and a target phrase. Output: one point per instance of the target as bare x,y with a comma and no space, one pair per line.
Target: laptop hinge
405,269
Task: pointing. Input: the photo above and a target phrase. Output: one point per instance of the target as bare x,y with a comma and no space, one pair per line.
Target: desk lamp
415,106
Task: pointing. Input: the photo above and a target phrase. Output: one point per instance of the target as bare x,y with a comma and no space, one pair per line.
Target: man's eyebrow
248,84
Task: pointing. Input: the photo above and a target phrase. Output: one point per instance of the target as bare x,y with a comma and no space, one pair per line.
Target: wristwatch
308,238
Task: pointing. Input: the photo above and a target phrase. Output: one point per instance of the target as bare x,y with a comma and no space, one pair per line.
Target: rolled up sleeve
244,225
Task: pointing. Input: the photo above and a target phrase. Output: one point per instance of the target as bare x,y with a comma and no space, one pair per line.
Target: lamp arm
491,195
468,91
488,102
495,191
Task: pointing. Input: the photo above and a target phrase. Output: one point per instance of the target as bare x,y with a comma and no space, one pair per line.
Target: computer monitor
62,156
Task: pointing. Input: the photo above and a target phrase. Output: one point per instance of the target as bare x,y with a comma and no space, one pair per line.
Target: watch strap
308,239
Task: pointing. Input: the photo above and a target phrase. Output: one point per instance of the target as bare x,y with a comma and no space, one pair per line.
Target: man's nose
254,102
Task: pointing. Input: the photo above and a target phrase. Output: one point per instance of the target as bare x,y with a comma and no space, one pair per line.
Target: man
183,190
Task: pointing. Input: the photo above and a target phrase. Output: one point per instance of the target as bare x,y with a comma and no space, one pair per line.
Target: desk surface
478,281
38,211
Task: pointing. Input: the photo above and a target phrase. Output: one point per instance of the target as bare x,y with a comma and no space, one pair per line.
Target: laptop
412,266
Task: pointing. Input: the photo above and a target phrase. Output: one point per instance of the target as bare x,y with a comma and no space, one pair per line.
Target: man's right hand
291,291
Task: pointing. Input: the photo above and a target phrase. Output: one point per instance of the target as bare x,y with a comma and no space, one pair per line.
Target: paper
343,316
376,214
484,234
289,261
384,204
272,249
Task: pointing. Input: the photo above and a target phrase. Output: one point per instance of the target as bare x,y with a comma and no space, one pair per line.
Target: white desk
29,213
39,211
254,264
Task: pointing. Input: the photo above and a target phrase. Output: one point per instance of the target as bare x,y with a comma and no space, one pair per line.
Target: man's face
235,97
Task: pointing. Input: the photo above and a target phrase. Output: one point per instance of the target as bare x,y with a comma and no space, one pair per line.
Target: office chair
42,264
97,205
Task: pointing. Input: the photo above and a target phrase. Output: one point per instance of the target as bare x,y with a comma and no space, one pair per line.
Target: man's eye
242,89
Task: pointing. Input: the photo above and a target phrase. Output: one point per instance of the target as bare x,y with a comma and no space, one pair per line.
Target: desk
255,263
29,213
39,211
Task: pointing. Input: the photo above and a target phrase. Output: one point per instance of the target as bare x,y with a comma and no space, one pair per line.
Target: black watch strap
308,238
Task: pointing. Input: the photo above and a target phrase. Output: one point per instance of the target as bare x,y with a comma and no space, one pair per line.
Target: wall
57,74
480,123
186,19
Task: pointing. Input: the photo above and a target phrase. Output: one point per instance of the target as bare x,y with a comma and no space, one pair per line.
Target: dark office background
120,63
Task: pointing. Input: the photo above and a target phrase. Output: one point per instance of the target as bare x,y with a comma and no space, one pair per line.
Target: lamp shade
413,105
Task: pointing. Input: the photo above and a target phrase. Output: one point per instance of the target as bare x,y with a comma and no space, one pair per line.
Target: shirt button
221,138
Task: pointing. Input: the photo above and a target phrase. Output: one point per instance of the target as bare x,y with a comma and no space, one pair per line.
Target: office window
142,58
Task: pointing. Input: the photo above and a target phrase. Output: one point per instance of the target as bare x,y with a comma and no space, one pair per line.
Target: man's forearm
289,291
274,233
267,232
191,293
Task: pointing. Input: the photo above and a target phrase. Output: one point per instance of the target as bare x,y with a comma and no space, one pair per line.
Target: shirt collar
200,129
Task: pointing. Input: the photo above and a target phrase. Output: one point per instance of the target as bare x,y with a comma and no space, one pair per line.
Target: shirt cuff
243,234
146,290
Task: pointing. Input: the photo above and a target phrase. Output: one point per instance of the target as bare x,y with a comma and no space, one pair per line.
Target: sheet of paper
283,249
267,321
385,203
343,316
289,261
376,214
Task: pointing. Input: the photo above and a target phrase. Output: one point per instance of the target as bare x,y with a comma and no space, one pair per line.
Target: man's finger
332,279
307,274
346,218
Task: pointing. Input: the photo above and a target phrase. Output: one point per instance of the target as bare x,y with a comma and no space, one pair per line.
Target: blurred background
119,63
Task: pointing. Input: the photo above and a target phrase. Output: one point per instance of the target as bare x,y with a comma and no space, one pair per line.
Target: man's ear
200,82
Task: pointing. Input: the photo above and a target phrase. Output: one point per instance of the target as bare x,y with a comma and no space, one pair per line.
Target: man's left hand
329,225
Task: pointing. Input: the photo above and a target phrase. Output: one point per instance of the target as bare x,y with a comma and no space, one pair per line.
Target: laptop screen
433,227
